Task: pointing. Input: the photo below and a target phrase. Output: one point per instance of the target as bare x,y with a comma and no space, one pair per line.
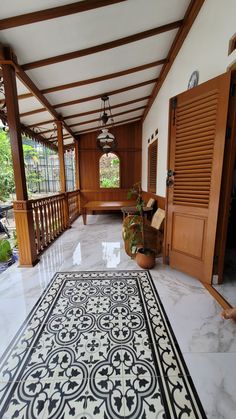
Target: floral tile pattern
97,345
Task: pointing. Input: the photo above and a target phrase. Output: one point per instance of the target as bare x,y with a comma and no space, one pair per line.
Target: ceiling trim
188,21
103,47
54,12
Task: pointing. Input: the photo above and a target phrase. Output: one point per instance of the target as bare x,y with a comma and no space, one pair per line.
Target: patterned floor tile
97,345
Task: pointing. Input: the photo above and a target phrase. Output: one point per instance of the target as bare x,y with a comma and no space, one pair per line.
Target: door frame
226,183
232,135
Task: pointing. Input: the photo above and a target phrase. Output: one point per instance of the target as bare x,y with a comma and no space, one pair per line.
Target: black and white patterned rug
97,345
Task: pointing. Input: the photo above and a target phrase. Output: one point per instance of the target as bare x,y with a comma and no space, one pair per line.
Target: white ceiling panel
14,7
118,98
101,87
82,30
114,111
106,62
77,31
28,120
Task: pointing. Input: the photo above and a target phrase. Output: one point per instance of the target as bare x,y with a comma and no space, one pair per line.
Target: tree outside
109,170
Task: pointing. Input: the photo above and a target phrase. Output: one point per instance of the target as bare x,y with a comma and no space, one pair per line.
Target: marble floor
228,288
208,342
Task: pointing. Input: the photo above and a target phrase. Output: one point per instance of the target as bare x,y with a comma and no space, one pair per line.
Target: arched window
109,171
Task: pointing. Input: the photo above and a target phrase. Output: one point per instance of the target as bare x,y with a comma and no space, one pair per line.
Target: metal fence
43,175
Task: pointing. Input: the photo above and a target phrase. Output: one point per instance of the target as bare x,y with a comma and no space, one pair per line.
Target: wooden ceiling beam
118,105
114,115
89,98
103,47
188,21
54,12
104,77
123,122
29,113
113,92
30,133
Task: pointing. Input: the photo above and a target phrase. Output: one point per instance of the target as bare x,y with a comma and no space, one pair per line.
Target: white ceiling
77,31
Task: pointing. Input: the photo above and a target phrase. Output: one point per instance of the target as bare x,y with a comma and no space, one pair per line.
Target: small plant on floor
5,250
133,232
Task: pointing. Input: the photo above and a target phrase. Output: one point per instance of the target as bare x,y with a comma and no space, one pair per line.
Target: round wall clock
193,81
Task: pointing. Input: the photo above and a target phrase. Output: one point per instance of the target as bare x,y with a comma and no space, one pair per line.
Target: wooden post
13,119
22,207
25,233
61,156
77,173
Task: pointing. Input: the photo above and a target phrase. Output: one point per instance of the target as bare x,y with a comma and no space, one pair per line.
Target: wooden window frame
153,145
115,187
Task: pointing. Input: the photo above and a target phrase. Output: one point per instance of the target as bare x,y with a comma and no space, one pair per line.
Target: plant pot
145,258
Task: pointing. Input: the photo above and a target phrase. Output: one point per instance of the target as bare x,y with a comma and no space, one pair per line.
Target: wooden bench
104,206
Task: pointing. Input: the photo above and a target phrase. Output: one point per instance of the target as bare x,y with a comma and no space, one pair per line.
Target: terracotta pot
145,258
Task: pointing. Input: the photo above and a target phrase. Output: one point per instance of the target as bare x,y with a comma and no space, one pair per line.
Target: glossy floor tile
102,336
207,342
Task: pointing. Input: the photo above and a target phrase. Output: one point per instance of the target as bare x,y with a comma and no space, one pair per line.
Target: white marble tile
214,378
208,342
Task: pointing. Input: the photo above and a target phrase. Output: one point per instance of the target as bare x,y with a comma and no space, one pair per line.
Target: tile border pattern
143,368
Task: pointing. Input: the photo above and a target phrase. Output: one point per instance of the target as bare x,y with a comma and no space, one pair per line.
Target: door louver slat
194,151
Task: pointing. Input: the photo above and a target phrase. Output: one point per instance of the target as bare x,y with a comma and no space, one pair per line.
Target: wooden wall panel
129,149
161,201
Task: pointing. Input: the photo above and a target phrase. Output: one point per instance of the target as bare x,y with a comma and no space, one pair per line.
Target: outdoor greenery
5,250
6,170
31,155
109,170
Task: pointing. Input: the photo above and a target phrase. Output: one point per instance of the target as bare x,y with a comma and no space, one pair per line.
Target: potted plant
133,232
5,255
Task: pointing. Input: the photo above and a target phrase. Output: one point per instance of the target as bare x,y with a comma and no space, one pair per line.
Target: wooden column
13,119
25,233
61,156
77,173
22,207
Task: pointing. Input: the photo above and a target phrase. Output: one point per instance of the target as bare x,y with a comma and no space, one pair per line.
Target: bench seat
104,206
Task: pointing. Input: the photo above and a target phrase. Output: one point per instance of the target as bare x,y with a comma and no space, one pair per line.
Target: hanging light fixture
106,141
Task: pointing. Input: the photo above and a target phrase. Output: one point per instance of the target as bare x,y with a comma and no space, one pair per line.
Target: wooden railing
49,218
73,205
40,221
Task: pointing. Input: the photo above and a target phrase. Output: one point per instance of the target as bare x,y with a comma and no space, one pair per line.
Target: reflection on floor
228,288
208,342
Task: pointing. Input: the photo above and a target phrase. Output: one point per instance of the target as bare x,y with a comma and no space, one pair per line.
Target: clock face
193,81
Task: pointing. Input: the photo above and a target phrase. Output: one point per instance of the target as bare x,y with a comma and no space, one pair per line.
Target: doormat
97,345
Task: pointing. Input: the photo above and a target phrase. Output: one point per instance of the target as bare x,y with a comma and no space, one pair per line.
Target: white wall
206,50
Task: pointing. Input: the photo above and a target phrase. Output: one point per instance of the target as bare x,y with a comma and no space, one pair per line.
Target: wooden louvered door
196,148
152,167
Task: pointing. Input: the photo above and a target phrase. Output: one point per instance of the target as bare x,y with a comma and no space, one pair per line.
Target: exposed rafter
188,21
118,105
114,115
103,47
54,12
124,121
29,133
7,54
113,92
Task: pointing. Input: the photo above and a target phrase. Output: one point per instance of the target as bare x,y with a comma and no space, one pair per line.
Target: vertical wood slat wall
152,166
129,151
